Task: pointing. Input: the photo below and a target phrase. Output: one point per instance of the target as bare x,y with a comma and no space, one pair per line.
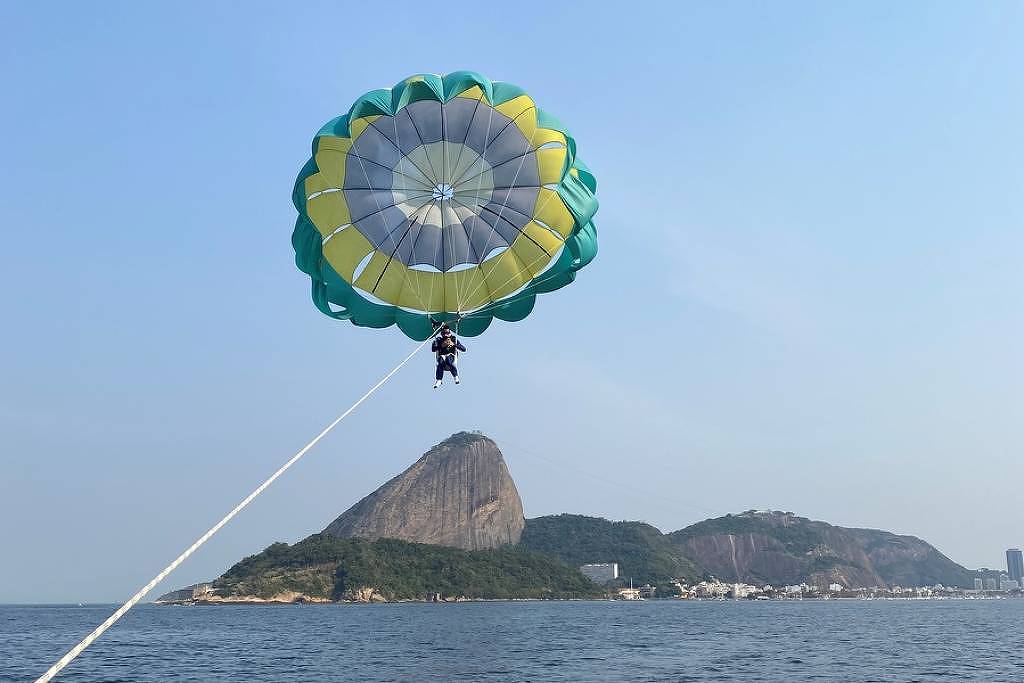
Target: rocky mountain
458,494
452,523
780,548
909,561
777,548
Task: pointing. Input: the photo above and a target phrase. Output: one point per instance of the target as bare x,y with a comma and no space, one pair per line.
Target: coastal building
711,589
601,573
740,591
979,584
1007,584
629,593
836,587
990,584
1015,564
646,591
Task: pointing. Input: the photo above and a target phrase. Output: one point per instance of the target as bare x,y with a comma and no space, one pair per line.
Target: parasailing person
446,347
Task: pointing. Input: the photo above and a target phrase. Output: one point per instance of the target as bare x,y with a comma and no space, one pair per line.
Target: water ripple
684,642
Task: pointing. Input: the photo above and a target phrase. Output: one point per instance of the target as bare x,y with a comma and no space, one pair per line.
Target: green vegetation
667,590
544,564
322,566
643,553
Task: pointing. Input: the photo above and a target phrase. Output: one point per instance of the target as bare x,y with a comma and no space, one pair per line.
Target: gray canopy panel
442,184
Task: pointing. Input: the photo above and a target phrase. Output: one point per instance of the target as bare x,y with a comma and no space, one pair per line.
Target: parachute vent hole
327,191
362,266
551,186
497,251
549,229
554,144
336,231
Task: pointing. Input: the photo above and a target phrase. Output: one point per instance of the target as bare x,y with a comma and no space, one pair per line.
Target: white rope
88,640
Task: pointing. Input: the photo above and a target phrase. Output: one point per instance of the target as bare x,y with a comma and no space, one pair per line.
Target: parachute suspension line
380,211
477,205
368,160
407,280
434,176
412,223
465,138
112,619
416,290
472,223
483,310
474,215
398,146
504,204
488,139
446,265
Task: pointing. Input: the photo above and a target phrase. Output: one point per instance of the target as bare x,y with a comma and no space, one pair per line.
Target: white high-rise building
601,573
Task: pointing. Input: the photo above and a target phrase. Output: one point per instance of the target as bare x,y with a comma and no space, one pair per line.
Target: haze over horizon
807,295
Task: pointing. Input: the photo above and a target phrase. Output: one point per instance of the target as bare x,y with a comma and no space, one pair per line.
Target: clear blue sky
808,295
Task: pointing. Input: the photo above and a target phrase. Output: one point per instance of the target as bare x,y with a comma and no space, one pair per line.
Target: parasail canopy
444,198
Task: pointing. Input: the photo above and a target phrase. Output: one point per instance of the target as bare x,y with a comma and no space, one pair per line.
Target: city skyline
1015,565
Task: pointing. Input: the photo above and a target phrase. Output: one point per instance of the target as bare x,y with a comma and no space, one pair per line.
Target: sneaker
456,380
437,384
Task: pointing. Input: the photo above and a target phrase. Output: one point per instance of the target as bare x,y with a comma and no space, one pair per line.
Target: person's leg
438,374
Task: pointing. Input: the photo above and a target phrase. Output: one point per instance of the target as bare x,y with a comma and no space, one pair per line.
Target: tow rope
112,619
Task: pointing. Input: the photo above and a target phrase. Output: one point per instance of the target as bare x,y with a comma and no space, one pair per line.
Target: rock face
781,548
458,494
909,561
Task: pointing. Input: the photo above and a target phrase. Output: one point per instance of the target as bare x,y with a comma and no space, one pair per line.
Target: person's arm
433,346
459,345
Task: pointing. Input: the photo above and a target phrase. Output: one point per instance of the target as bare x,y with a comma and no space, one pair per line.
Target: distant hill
909,561
458,494
777,548
781,548
324,568
642,551
452,523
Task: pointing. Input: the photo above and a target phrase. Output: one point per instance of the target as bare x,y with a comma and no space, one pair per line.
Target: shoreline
257,601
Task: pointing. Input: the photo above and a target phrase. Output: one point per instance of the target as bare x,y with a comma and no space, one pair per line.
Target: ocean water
952,640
